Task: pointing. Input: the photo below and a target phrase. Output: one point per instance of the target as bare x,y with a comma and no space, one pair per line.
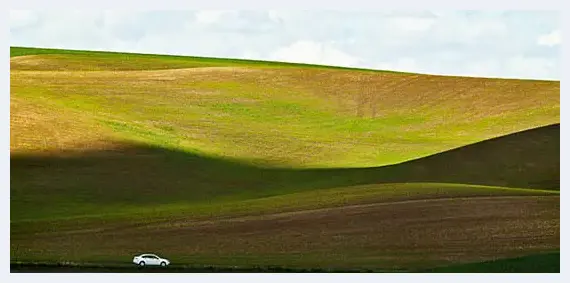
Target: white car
150,259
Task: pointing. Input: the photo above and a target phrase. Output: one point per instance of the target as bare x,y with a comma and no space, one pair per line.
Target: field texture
225,162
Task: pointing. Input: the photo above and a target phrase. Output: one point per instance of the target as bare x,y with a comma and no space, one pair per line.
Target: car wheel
163,263
141,263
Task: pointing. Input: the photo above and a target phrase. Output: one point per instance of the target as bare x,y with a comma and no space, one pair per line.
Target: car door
149,260
155,260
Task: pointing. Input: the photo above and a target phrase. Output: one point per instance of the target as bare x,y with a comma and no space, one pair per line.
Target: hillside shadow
141,174
526,159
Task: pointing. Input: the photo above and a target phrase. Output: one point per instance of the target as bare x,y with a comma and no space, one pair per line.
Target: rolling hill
228,162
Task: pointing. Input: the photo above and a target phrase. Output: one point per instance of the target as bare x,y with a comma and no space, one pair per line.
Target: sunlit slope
267,113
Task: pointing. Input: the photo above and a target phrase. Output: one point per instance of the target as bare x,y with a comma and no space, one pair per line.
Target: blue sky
511,44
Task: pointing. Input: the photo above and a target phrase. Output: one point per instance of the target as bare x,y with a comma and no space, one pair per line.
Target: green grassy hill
223,162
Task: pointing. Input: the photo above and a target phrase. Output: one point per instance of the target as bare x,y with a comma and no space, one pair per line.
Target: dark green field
274,166
540,263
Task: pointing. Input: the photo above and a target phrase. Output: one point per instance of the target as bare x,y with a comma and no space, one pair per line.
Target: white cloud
413,24
275,16
531,67
210,16
403,64
251,55
484,68
22,18
551,39
314,53
459,29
